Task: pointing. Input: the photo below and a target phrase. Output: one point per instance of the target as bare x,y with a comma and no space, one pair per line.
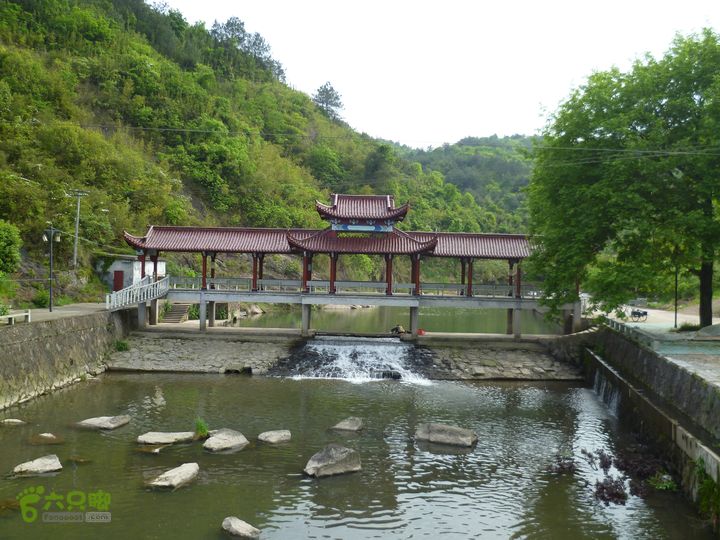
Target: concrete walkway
60,312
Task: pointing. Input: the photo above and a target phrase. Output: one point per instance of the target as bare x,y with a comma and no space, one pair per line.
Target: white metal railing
494,290
143,291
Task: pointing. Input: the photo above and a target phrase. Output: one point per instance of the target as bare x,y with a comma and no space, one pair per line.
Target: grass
121,345
202,430
688,327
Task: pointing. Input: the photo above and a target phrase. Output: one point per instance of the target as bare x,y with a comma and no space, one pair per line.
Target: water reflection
500,488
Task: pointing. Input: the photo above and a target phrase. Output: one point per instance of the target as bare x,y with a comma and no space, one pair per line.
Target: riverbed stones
41,465
238,527
333,459
166,437
445,434
352,423
275,437
104,422
225,440
12,422
177,477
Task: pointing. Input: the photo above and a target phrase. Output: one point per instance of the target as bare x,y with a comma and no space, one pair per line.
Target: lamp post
51,235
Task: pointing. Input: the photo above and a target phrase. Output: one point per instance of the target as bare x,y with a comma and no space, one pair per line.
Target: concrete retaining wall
39,357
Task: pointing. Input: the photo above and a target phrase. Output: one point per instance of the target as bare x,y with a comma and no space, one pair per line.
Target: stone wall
502,359
202,353
686,392
39,357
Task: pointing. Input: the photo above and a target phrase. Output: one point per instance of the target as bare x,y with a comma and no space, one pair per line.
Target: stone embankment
499,359
201,353
39,357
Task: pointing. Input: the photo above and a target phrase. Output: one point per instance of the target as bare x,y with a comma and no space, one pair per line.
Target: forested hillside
494,170
164,122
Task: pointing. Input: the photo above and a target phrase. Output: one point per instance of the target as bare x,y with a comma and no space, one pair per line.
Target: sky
424,73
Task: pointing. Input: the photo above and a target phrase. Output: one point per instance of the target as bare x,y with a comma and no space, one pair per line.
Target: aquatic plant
121,345
611,490
201,429
662,481
708,493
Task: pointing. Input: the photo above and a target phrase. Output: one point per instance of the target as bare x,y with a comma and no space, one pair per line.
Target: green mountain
494,170
163,122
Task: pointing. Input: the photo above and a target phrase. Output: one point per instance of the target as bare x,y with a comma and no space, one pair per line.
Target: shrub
121,345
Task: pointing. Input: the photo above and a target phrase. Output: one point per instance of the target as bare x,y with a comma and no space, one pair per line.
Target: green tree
10,244
625,184
329,100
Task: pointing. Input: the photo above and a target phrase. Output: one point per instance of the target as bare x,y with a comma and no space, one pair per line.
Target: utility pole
79,194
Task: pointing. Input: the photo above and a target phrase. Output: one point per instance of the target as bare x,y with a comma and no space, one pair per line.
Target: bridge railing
142,291
493,290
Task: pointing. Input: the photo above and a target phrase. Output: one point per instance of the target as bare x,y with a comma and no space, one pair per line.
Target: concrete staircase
178,313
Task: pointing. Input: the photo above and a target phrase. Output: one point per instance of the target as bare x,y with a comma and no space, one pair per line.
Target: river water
382,319
501,488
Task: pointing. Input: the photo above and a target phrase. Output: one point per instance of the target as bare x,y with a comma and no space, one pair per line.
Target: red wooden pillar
462,275
333,272
212,268
469,278
141,258
304,283
254,287
518,284
418,287
511,263
261,265
388,274
204,271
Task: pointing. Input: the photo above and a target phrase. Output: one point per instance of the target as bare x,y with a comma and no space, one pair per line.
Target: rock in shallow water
12,422
225,440
238,527
333,459
353,423
275,436
166,437
444,434
104,422
174,478
40,465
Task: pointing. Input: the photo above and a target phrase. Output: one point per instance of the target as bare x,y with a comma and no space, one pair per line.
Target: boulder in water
104,422
275,436
162,437
444,434
225,440
12,422
333,459
41,465
352,423
177,477
238,527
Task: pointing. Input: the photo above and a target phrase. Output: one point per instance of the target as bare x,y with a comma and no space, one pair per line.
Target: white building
125,270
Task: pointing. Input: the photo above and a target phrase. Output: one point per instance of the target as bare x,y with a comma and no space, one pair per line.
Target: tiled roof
362,207
249,240
216,239
395,242
478,245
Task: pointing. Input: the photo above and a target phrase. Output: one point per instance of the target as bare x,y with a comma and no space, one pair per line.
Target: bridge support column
211,314
142,315
333,273
153,312
305,330
567,320
254,286
203,312
414,320
389,274
461,292
469,291
516,322
261,265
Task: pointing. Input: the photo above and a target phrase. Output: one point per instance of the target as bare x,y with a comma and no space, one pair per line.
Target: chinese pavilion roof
395,242
362,208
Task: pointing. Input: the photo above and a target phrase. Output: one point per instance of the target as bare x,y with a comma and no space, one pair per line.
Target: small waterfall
607,391
354,359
